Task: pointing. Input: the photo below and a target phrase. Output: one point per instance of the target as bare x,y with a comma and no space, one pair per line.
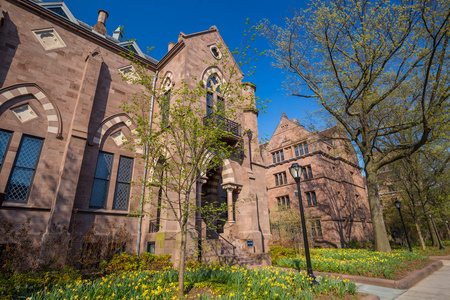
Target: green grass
220,282
355,262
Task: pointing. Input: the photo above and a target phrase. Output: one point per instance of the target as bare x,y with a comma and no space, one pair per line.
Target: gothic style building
332,187
62,160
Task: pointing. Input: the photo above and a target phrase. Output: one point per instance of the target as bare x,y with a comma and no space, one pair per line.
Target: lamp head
296,171
397,204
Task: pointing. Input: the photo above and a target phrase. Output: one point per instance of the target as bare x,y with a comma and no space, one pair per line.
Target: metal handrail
234,247
228,125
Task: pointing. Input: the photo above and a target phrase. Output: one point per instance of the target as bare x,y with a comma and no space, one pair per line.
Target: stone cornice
317,152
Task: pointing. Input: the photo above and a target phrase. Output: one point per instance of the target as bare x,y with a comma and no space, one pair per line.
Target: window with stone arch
214,96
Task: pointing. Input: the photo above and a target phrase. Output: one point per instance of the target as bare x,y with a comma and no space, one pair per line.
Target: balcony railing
224,123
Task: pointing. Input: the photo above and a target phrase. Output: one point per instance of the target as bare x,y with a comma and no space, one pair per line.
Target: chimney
100,26
171,44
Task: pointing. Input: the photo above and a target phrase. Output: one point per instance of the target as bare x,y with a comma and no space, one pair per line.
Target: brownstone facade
332,188
60,128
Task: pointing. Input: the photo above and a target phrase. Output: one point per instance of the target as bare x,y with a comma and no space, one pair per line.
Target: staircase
230,255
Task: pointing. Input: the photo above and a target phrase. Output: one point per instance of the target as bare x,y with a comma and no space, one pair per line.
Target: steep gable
279,137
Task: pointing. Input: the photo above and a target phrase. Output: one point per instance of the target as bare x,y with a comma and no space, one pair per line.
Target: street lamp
398,205
296,172
435,230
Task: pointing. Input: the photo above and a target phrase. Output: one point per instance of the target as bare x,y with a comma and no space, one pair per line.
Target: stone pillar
231,187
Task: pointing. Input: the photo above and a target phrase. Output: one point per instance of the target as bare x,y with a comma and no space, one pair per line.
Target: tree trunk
182,264
379,228
434,237
419,232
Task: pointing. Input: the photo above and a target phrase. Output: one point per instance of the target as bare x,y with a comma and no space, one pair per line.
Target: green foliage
223,282
131,262
12,286
279,252
355,262
378,69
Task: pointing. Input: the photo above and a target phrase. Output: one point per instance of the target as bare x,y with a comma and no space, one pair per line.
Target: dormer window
60,8
132,46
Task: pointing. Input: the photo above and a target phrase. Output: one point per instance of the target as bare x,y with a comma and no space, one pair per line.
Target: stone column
231,187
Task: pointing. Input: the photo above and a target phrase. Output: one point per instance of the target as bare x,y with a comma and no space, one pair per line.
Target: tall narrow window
165,109
24,168
307,172
274,158
213,87
209,103
282,155
296,150
5,137
311,198
101,180
316,228
123,184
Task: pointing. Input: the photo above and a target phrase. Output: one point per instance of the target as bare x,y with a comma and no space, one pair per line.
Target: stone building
62,160
333,192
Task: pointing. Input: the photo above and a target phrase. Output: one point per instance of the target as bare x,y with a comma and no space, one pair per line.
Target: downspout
141,204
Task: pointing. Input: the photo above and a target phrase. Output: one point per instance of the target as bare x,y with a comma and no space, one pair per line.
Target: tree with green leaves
188,135
378,68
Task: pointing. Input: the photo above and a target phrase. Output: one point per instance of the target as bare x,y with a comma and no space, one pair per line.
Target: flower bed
357,262
214,282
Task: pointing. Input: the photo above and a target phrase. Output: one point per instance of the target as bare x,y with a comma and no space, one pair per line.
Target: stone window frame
283,202
311,198
301,149
278,156
34,168
316,228
114,168
307,172
214,94
213,48
280,178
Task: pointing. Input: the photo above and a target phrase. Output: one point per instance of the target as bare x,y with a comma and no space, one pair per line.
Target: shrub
279,252
128,262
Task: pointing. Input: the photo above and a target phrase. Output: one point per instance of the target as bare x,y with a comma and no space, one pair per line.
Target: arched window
214,96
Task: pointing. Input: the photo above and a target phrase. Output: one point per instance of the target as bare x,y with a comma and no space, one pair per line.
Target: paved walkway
434,287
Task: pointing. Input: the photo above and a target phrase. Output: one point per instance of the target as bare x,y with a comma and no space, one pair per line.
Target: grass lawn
207,282
395,265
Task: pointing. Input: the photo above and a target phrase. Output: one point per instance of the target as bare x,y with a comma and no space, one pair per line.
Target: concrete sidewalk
436,286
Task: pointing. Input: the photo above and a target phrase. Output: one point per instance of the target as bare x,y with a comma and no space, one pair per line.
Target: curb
401,284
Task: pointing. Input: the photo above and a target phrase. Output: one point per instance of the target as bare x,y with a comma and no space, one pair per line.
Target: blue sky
156,23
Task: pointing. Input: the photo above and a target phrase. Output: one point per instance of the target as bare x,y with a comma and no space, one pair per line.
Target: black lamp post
398,205
296,172
435,230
